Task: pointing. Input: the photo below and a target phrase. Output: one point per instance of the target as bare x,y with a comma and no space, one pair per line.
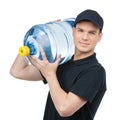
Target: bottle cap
24,51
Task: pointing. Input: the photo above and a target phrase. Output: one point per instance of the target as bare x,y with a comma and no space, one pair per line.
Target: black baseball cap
90,15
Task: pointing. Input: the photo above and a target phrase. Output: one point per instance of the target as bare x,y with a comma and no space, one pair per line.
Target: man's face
86,35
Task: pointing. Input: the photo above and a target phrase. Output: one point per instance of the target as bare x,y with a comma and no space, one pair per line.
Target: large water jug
54,37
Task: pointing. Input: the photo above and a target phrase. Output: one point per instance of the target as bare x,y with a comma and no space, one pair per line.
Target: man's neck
82,55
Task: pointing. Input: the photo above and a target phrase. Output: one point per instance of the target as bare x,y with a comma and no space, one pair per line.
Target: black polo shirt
85,78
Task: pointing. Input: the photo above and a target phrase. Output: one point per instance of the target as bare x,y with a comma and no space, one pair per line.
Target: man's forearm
19,63
59,96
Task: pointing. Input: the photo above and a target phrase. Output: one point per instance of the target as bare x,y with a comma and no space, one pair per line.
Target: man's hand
47,69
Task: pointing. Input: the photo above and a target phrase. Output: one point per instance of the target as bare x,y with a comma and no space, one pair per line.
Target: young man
76,87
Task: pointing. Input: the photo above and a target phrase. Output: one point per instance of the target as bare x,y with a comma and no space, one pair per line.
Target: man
76,87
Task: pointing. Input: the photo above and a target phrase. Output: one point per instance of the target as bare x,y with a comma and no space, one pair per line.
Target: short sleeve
44,80
88,84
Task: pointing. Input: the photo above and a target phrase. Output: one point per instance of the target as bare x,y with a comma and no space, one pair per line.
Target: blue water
54,37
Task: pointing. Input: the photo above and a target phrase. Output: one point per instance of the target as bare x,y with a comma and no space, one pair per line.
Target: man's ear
100,37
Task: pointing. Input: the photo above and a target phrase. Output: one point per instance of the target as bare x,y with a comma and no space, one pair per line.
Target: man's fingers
58,59
58,20
43,54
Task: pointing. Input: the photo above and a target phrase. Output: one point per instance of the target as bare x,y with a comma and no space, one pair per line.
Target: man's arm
21,69
65,103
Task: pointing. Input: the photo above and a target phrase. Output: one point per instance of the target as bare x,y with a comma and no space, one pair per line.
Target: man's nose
85,36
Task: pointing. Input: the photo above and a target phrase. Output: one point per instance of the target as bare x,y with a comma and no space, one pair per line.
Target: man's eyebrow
92,31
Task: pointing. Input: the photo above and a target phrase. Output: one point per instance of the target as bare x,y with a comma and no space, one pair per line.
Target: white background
23,100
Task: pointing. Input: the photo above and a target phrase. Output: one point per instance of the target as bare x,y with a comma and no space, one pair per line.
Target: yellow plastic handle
24,51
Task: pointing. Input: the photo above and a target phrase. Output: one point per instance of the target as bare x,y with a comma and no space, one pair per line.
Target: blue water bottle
54,37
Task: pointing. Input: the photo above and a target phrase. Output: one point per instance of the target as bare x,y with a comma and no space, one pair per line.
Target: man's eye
79,30
93,33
